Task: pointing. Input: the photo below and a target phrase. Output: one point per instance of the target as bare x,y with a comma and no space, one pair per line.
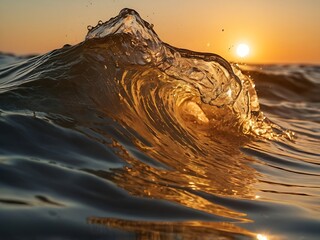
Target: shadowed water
123,136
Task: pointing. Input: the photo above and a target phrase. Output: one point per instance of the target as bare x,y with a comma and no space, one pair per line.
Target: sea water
123,136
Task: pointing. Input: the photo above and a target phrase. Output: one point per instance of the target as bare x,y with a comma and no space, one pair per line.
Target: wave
123,62
293,83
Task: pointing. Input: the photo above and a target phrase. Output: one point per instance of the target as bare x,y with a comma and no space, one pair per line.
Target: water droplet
100,22
147,58
89,27
133,43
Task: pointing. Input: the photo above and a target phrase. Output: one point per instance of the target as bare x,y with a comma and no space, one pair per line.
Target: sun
243,50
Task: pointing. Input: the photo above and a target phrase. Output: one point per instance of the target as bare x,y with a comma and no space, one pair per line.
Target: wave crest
217,82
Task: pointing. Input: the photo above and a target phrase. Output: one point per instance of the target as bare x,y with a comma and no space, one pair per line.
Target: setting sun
243,50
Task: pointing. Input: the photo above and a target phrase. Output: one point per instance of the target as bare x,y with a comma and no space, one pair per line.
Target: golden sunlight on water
166,230
174,230
261,237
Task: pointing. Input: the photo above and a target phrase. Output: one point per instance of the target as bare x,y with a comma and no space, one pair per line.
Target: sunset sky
276,31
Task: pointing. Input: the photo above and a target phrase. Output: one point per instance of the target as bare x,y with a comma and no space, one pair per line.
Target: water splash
217,82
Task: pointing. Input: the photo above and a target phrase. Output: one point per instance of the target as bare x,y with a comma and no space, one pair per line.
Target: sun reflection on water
262,237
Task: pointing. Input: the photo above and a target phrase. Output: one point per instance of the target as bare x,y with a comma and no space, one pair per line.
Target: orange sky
277,31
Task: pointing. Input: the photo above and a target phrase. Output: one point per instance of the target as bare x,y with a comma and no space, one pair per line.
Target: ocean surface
123,136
